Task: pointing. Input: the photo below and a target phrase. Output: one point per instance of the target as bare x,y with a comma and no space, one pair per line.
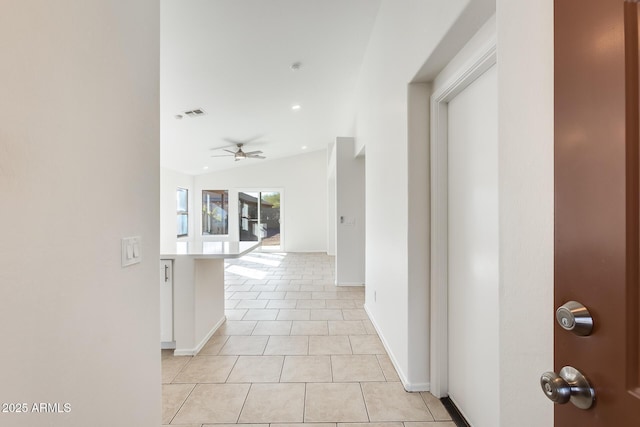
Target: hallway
294,349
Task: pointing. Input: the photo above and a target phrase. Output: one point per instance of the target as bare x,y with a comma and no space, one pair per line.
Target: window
182,198
215,212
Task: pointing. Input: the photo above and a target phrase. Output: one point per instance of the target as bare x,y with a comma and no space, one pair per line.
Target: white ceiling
233,59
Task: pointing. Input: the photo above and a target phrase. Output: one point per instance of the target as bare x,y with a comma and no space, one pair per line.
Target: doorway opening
259,218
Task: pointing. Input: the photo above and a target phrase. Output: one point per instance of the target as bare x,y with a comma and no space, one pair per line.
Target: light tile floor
294,349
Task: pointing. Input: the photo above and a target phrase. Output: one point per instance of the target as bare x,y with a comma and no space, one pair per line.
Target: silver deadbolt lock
575,317
568,386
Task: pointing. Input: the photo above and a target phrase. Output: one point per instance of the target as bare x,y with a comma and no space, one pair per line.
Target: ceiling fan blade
220,147
229,151
224,155
256,157
249,153
242,141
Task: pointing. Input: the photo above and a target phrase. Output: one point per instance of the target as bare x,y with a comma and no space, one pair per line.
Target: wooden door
596,203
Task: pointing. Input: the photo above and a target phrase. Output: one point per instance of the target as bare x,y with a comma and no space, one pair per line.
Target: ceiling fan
240,154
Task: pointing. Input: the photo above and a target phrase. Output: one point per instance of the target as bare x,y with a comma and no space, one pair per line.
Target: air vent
195,113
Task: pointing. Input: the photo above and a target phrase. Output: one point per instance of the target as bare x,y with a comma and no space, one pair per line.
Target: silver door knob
569,385
575,317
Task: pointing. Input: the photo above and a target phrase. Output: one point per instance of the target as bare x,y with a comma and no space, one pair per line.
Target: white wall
525,134
349,214
170,181
405,34
418,235
79,159
303,180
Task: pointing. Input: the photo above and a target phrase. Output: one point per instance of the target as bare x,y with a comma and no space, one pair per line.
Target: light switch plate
131,253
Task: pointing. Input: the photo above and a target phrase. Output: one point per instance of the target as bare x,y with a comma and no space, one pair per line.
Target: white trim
194,351
349,284
483,59
408,386
167,345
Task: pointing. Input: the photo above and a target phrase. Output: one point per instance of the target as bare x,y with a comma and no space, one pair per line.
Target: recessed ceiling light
296,107
304,147
206,167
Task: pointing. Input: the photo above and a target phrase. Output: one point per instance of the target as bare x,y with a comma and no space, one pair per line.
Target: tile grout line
244,402
235,362
366,408
284,358
427,405
181,369
331,367
350,345
183,402
385,377
304,404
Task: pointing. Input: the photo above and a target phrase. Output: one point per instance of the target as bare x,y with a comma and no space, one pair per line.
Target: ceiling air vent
195,113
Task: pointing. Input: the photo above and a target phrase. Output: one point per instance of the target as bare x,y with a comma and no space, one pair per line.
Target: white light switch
131,253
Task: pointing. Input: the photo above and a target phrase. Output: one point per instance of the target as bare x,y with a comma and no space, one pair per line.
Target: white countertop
211,249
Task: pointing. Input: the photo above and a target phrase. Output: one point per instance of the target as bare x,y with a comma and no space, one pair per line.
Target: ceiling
233,58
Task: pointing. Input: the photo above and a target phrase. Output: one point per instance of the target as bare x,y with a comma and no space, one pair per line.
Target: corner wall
79,162
405,34
525,138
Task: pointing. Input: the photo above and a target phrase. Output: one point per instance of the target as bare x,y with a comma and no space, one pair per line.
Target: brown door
596,203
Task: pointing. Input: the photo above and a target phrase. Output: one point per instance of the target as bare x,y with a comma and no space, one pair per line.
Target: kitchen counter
211,250
198,290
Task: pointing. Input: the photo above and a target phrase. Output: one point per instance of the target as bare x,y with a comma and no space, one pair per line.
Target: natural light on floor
267,253
261,260
245,271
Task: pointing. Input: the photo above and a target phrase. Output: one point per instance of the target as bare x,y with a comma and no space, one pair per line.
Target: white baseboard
167,345
196,349
408,386
349,284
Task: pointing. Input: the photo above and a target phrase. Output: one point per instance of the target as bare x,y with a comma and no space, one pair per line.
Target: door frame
482,60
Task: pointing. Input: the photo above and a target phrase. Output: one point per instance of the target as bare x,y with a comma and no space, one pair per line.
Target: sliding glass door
248,212
270,219
259,217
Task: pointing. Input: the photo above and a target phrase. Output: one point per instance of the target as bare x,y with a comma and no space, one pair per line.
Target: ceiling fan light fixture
240,154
